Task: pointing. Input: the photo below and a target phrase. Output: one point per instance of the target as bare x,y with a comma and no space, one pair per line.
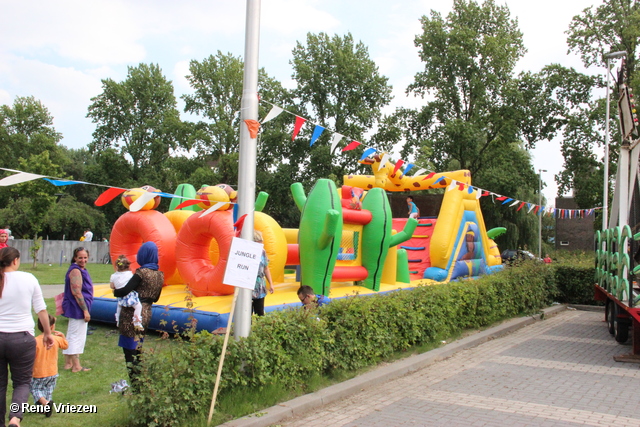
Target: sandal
82,369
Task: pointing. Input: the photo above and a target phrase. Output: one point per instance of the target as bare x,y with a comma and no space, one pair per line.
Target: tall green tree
612,26
138,117
478,114
474,99
30,144
338,87
218,85
26,129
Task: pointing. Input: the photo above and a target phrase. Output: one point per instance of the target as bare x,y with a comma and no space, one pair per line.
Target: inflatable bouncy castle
347,242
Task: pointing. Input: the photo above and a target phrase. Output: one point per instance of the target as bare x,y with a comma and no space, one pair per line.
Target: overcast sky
59,51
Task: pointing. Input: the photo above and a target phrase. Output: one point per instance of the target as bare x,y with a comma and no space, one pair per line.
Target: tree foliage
138,117
478,114
338,87
612,26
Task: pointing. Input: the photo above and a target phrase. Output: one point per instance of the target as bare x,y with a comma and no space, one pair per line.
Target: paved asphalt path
554,372
50,291
525,372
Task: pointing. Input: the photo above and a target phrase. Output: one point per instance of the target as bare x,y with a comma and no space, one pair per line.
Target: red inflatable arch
132,229
192,252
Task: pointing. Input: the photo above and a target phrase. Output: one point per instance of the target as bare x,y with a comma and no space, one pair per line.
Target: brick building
575,233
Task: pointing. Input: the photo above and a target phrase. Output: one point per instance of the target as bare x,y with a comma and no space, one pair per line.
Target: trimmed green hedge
575,284
288,347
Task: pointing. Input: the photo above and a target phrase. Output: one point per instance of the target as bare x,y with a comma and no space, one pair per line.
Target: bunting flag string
369,151
111,192
105,197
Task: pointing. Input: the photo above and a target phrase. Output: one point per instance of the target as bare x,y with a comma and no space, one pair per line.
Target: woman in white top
19,293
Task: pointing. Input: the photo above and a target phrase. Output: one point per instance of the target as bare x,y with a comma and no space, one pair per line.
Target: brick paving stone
556,372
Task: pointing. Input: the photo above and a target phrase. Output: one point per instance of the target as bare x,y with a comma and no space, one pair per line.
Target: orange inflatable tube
177,218
192,252
132,229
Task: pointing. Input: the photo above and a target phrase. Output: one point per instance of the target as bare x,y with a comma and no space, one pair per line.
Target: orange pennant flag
254,127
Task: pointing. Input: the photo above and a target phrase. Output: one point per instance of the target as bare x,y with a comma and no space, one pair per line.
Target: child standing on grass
264,277
118,280
45,368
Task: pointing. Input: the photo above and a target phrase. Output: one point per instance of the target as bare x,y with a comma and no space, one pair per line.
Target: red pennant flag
253,126
299,122
398,165
461,186
485,193
501,198
351,146
536,209
108,195
520,207
429,176
238,225
187,203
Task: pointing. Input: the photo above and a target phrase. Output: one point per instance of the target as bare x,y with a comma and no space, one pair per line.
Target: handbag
58,299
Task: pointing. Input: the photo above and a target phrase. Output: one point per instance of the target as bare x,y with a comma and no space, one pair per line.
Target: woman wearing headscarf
147,281
19,294
76,306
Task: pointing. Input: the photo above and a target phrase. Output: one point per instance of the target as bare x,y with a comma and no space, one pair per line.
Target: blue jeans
18,351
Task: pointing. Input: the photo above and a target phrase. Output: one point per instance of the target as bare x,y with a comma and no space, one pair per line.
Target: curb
583,307
302,404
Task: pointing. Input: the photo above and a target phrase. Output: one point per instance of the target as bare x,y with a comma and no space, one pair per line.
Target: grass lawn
106,361
54,274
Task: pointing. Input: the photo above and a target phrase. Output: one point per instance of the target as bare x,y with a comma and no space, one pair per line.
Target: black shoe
50,411
89,332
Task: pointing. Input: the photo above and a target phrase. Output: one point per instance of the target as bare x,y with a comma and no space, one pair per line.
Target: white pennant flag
335,140
19,178
514,203
213,208
384,160
479,192
531,207
419,172
275,112
452,185
142,200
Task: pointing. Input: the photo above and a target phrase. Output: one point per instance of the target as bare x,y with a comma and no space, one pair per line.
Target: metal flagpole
248,154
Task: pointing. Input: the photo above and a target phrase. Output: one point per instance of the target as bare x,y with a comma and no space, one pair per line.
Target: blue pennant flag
316,134
61,182
408,168
367,153
507,201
